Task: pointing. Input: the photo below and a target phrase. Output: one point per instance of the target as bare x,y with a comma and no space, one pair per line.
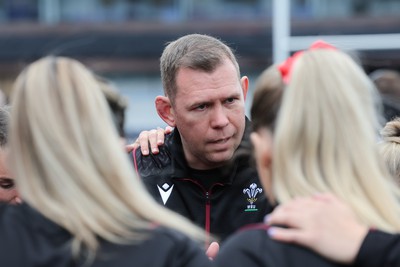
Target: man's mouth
221,141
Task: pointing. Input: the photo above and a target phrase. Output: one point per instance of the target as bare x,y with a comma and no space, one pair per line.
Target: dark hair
195,51
116,102
387,81
267,99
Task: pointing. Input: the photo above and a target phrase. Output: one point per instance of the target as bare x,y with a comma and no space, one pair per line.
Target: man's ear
244,82
165,110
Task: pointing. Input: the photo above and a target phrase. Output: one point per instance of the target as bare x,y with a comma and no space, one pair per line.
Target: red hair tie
285,67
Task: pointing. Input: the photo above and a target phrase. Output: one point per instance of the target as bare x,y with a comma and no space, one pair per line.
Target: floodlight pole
49,11
280,30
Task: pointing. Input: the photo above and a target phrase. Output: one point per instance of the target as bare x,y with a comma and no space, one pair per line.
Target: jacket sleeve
379,249
152,164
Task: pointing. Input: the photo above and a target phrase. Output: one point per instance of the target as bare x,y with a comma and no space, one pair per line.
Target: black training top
220,200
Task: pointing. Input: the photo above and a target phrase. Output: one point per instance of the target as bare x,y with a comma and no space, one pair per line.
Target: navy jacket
28,239
379,249
254,248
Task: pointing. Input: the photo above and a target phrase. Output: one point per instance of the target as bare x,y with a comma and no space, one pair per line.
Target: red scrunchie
285,67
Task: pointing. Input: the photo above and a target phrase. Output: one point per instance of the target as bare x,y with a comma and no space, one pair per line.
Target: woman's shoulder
185,251
12,217
24,217
171,247
252,246
23,234
250,239
175,240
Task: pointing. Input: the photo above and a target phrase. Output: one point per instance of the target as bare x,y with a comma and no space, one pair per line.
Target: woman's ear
262,143
165,110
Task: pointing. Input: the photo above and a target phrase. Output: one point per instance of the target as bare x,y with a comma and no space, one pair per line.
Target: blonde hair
326,136
69,163
389,147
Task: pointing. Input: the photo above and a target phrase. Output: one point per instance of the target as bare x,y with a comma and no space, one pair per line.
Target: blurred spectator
388,83
117,104
7,184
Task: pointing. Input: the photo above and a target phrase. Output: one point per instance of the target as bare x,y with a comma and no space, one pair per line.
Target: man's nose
219,117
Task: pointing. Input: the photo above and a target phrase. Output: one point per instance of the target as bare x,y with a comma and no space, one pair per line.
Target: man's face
7,186
209,112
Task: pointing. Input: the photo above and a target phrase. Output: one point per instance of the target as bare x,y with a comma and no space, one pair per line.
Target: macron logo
165,191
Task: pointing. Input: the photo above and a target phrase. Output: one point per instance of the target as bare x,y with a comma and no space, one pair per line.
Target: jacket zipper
208,214
207,194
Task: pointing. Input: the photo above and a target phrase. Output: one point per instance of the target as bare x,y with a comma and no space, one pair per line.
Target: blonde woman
324,141
83,205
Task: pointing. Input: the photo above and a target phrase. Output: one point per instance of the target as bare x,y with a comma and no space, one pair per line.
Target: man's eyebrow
237,94
199,103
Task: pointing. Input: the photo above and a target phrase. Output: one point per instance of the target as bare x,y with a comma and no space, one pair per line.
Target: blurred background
122,40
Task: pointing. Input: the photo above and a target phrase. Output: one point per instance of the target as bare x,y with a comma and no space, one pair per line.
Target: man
196,172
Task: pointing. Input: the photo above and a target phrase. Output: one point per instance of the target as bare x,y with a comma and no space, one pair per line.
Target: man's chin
221,157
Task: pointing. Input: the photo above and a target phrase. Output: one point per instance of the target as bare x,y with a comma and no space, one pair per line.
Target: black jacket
254,248
220,200
28,239
379,249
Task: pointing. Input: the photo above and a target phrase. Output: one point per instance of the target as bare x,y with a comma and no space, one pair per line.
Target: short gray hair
195,51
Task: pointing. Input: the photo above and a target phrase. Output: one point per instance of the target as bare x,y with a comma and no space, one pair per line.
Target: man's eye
7,183
230,100
201,107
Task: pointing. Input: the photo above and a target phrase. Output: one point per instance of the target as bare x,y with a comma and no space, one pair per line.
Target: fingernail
271,231
145,152
267,219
